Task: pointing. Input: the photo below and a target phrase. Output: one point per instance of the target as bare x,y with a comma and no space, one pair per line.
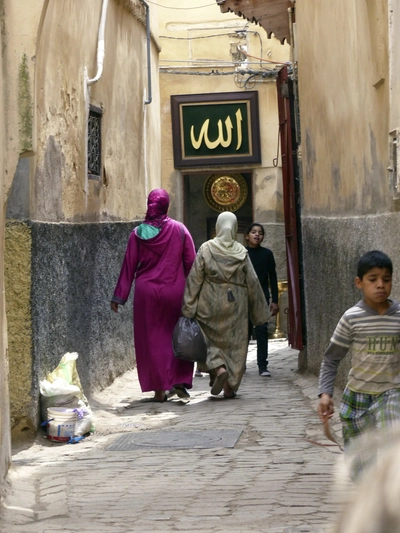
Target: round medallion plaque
225,193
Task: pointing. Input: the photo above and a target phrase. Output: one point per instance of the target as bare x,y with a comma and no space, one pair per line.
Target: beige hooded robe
223,292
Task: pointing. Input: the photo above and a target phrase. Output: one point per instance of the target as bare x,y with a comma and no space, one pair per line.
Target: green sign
215,129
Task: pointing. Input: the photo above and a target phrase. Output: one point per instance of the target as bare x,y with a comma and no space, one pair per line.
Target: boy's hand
325,407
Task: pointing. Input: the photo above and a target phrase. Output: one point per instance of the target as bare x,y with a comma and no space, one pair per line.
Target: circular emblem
225,193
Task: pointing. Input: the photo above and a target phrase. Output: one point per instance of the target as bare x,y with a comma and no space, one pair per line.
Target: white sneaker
266,373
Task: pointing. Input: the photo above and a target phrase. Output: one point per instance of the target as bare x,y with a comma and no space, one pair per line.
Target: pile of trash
64,408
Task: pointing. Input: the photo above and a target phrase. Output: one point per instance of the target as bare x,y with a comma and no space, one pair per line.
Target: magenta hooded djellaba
158,257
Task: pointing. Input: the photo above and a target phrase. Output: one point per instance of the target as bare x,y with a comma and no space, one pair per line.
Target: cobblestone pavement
272,481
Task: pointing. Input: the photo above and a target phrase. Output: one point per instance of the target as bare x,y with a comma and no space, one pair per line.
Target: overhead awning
272,15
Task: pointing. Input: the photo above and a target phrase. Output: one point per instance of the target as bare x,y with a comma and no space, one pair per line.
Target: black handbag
188,341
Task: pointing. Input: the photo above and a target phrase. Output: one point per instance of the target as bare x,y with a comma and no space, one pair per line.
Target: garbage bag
62,388
57,387
188,341
67,370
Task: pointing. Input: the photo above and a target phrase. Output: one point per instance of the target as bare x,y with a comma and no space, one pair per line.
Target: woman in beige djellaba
222,292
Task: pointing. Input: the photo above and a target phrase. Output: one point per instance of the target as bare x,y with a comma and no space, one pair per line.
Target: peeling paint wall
195,43
130,139
25,107
20,22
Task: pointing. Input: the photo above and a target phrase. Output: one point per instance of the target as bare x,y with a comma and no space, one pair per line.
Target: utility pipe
148,39
100,44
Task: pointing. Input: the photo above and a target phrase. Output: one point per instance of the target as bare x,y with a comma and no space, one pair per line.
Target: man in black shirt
264,265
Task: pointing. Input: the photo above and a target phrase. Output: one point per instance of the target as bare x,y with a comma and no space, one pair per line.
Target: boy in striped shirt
370,333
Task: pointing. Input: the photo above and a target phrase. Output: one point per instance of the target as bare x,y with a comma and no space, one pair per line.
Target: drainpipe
87,82
149,96
149,99
100,45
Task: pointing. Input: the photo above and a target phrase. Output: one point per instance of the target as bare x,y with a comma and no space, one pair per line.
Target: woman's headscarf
225,241
157,208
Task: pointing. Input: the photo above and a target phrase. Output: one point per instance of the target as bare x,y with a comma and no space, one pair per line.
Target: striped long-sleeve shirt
373,342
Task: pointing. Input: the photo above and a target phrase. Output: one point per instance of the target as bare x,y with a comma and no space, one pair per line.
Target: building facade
213,69
346,64
81,151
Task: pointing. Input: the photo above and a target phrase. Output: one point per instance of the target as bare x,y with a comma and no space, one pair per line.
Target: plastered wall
66,234
131,150
344,99
346,203
5,434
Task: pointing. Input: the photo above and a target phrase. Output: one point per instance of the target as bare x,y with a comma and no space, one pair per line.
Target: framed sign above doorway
215,129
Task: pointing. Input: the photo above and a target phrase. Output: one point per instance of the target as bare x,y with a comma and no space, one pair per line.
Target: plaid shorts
360,412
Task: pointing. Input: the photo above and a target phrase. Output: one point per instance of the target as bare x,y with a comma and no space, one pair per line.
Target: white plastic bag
62,388
58,387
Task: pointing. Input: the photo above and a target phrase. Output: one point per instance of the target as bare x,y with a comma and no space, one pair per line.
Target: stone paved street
272,481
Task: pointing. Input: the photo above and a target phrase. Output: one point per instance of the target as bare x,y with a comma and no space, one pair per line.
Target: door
291,200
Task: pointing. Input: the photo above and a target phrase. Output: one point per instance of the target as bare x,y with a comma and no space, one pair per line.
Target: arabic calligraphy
221,140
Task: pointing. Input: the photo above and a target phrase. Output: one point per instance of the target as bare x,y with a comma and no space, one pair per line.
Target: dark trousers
262,345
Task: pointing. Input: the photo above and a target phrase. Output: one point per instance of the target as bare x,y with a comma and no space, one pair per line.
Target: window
94,143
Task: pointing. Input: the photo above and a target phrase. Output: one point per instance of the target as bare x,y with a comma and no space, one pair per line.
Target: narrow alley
208,465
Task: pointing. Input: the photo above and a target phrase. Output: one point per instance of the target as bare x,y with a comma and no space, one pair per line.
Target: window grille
94,143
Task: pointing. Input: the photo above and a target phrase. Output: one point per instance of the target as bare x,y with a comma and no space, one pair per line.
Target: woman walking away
159,255
222,291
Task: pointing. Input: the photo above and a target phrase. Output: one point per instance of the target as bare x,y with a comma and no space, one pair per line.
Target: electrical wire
266,60
220,62
250,73
218,2
229,34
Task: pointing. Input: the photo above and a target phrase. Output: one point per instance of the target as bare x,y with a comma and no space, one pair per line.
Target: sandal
230,396
218,384
154,399
180,391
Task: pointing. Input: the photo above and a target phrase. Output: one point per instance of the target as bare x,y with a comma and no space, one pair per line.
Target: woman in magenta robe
158,258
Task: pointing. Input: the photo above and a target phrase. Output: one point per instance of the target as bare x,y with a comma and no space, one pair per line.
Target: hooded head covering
225,241
157,208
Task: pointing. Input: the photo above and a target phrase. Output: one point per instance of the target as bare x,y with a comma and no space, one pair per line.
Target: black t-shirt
264,264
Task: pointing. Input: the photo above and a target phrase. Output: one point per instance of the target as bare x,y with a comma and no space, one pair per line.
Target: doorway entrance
200,216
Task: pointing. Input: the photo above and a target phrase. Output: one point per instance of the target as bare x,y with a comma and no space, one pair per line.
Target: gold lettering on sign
220,140
239,128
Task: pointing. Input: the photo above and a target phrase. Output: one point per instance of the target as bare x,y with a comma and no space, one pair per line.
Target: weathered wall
78,227
5,435
20,25
344,99
59,281
332,247
130,138
347,207
17,258
75,267
394,65
196,58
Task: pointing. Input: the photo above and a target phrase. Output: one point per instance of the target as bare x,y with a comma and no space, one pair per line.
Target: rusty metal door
291,200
